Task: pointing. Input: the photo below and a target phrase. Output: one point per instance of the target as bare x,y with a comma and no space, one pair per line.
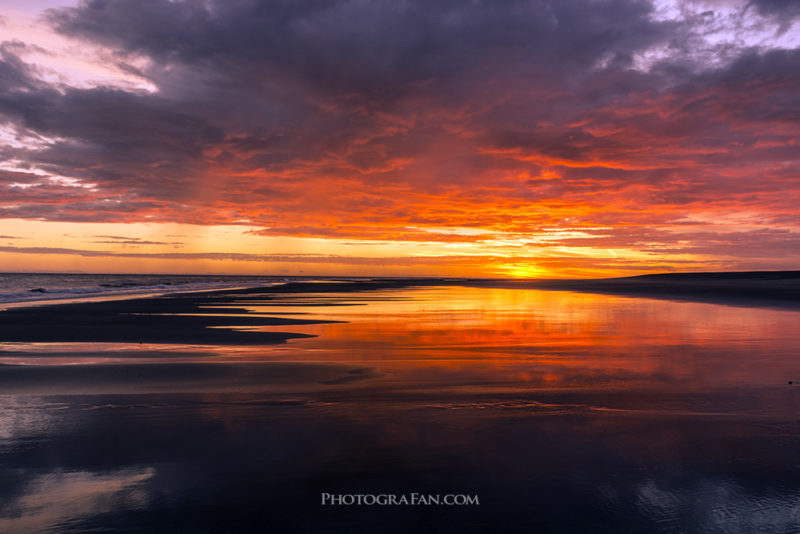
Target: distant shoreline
779,289
772,289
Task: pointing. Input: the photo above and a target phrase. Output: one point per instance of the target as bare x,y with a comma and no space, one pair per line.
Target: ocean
36,287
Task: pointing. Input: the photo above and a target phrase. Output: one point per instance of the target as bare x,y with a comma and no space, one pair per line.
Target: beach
236,410
399,266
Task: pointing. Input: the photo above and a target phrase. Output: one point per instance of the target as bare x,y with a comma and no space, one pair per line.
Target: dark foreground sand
207,318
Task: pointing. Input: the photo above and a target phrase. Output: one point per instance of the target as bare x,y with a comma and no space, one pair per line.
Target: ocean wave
21,288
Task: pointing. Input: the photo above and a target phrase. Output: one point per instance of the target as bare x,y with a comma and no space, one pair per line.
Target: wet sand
166,343
99,379
233,411
208,317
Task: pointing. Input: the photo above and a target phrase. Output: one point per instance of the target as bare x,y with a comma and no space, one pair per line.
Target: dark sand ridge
173,320
177,319
197,318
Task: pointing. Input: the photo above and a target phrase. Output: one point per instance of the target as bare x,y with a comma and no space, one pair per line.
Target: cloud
244,257
778,8
135,241
372,119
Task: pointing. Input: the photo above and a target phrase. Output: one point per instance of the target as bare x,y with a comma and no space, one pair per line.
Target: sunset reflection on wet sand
561,410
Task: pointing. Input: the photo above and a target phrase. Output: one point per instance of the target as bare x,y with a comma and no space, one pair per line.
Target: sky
496,138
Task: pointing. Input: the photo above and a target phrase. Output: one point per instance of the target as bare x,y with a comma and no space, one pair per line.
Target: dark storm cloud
375,48
304,88
293,64
15,73
258,71
129,131
778,8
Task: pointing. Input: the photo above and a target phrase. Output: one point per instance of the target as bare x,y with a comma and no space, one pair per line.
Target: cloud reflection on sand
439,338
545,339
57,499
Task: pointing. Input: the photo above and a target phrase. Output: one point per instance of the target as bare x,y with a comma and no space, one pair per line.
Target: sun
522,270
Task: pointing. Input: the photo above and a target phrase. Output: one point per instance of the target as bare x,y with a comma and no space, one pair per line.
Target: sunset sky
492,138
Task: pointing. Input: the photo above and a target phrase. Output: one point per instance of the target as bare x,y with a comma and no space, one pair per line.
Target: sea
40,287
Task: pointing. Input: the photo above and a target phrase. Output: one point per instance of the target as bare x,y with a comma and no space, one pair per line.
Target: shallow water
561,411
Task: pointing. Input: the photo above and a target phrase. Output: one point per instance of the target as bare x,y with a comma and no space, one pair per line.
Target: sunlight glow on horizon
180,248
